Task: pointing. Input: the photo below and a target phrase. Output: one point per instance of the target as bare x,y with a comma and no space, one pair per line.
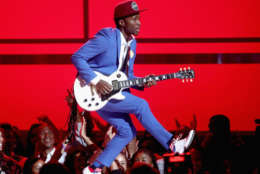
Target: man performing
114,49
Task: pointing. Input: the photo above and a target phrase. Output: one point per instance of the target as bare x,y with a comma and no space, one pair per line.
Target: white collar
123,40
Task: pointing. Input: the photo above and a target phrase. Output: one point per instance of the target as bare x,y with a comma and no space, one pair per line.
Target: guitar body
87,97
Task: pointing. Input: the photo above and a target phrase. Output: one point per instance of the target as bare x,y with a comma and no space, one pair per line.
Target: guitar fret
163,77
141,81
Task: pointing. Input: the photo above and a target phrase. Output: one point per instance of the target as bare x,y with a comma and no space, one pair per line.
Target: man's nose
138,22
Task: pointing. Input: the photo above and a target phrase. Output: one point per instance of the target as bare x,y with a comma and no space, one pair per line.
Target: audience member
7,164
31,140
78,158
119,165
76,122
145,156
54,168
221,150
13,144
48,147
196,158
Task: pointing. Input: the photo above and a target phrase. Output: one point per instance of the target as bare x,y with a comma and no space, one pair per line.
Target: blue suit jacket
101,54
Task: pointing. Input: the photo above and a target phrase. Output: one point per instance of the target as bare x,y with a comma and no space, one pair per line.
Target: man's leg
125,133
140,108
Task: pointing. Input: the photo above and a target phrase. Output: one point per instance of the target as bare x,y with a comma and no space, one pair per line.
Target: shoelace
174,140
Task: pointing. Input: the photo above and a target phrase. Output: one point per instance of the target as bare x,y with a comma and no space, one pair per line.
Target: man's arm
88,51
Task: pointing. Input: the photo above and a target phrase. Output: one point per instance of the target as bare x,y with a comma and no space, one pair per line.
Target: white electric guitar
88,99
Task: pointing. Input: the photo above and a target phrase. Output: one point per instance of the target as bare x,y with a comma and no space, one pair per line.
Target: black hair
54,168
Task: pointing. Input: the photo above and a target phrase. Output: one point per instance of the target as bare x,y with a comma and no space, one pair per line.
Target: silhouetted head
219,125
55,168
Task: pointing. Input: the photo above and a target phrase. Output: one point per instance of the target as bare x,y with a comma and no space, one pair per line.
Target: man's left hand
150,82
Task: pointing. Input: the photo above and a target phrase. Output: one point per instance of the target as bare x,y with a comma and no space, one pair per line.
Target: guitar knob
85,100
93,99
118,75
97,104
89,105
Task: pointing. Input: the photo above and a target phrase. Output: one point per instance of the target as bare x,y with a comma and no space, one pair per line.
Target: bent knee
126,132
142,106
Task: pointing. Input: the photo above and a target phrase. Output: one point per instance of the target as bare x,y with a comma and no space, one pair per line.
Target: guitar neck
142,81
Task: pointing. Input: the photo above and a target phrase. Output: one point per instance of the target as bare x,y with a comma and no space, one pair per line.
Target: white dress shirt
123,51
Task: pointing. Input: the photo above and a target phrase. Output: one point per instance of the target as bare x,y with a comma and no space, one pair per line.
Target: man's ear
121,22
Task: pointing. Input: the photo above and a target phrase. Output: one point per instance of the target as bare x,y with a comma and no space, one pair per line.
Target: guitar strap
125,66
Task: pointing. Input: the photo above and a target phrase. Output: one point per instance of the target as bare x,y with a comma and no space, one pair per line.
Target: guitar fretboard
142,81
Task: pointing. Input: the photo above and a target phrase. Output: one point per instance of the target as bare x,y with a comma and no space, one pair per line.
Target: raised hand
70,98
109,135
193,123
83,132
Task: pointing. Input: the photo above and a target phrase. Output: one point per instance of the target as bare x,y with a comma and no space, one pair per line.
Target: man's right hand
103,88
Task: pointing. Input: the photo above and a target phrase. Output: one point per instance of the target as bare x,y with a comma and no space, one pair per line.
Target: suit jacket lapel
118,39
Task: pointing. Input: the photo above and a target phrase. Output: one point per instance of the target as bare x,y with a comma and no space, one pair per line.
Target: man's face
144,158
121,159
132,24
46,137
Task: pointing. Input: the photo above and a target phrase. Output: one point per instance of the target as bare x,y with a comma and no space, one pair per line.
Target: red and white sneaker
89,170
180,144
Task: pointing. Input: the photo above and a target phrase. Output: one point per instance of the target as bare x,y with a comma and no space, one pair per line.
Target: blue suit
102,54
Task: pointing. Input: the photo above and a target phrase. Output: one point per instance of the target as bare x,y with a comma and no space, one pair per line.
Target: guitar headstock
186,74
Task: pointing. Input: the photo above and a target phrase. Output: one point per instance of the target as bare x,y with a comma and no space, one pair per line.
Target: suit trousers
116,113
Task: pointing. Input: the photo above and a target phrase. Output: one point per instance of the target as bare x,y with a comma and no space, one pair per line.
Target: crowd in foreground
48,150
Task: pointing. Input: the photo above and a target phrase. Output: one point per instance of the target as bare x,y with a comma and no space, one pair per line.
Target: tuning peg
180,69
184,69
187,80
188,68
183,81
191,80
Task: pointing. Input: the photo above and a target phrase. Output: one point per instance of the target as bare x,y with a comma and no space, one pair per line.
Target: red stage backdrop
61,26
28,91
